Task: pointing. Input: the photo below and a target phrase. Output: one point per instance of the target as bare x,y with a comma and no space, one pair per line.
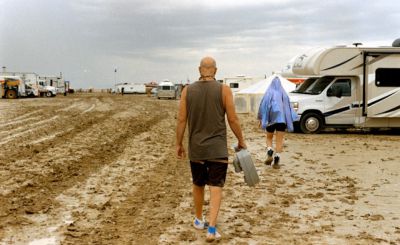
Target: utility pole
115,79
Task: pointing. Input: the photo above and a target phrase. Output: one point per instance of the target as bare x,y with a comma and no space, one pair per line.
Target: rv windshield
305,85
318,86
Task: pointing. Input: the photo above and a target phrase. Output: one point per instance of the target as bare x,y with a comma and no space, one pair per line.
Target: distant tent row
248,100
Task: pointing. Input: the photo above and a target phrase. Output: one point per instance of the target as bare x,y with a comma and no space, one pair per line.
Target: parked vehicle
41,85
166,90
46,90
49,83
355,87
11,87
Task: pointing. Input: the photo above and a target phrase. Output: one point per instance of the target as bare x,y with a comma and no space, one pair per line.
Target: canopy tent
248,100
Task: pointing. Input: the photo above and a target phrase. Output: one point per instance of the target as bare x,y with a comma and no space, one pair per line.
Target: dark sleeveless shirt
206,121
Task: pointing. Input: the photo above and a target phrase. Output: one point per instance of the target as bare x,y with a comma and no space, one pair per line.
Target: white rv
351,87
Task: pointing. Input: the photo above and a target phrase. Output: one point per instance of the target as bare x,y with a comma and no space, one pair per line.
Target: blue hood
275,107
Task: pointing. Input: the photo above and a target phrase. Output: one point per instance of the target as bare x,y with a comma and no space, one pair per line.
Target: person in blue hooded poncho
275,114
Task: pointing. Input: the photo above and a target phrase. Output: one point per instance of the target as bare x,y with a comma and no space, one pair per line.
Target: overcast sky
150,40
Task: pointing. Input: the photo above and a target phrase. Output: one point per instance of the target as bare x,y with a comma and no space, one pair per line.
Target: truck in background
12,87
351,87
29,79
41,85
52,85
46,90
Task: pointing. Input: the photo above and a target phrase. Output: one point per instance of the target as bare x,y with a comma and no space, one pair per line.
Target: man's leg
215,203
216,181
198,197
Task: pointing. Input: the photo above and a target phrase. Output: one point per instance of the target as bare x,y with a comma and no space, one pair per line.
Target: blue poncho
275,107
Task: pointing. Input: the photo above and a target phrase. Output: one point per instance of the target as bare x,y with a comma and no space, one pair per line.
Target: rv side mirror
334,91
329,93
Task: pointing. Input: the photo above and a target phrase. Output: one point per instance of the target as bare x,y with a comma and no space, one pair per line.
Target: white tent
248,100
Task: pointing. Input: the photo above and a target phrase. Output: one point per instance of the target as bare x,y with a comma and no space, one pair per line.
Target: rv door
340,100
383,87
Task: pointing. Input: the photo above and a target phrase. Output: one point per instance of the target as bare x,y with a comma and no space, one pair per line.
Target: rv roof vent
357,44
396,43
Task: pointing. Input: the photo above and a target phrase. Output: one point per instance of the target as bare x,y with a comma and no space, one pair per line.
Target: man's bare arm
233,120
181,125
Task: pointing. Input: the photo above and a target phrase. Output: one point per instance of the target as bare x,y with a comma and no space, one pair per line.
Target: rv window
304,85
166,87
387,77
318,86
344,85
234,85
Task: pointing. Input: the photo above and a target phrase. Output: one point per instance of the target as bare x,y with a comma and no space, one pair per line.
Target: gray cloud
153,40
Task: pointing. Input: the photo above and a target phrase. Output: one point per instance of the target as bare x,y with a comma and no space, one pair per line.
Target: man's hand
241,145
180,152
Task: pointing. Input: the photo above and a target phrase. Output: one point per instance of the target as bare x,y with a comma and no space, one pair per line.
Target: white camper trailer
167,90
354,87
239,82
131,88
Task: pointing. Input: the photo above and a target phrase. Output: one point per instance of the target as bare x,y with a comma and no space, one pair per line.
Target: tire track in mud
29,150
24,161
37,195
18,132
146,212
31,144
23,118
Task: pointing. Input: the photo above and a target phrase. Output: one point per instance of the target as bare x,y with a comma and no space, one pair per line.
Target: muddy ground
101,169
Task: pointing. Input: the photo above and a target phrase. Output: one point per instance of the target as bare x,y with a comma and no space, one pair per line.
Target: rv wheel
311,123
49,94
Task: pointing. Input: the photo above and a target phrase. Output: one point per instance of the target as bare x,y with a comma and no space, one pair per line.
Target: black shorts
281,127
209,173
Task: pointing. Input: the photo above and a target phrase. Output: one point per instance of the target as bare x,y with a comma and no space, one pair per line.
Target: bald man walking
203,106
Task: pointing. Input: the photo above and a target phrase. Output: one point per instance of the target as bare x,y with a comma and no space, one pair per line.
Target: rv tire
49,94
311,123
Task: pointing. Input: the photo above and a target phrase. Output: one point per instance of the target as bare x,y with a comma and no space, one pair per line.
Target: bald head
208,62
207,68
